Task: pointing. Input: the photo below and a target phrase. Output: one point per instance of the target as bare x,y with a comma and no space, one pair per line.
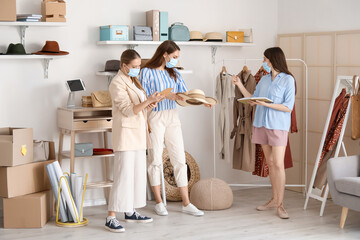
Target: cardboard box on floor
28,211
8,10
24,179
16,146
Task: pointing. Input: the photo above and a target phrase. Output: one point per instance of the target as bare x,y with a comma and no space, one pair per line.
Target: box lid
113,26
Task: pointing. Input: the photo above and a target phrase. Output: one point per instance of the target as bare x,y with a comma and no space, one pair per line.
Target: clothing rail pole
306,123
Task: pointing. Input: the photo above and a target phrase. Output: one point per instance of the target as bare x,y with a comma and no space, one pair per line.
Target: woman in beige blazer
129,141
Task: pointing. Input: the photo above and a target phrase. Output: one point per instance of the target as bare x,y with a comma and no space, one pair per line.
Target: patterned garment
332,137
338,112
261,168
154,80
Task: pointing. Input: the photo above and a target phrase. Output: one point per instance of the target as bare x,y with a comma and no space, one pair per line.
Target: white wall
297,16
29,100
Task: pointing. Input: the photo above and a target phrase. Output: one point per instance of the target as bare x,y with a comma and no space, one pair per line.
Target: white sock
129,214
109,218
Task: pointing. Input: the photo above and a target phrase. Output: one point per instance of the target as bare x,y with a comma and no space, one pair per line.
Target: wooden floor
241,221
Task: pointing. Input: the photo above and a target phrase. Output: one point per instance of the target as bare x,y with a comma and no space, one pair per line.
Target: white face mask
266,67
133,72
172,63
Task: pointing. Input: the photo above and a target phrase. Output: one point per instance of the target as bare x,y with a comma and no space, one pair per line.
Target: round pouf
211,194
193,174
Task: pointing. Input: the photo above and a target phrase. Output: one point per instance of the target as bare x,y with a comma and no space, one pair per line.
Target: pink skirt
270,137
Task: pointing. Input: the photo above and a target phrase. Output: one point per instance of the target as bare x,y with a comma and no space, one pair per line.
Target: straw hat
196,36
195,97
213,37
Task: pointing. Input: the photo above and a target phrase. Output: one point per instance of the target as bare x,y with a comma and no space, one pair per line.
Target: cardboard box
8,10
29,211
16,146
24,179
53,10
153,21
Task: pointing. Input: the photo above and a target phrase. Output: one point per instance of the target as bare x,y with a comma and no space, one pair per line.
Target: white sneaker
160,209
192,210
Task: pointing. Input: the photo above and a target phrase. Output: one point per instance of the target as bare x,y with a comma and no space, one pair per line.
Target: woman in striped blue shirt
157,75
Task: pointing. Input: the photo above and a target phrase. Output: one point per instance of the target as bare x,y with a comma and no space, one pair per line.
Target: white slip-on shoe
192,210
160,209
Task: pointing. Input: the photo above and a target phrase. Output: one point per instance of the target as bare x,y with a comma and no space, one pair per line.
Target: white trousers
166,127
129,189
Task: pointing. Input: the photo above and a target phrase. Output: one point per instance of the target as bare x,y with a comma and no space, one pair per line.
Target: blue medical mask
134,72
172,63
266,67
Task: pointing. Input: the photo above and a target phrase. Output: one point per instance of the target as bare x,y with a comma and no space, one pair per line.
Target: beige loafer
282,212
267,206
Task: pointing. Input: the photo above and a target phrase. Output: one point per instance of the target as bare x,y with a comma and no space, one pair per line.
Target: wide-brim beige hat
213,37
196,36
195,97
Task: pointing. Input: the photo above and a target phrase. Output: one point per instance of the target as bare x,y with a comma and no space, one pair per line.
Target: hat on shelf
195,97
16,49
112,66
213,37
196,36
51,48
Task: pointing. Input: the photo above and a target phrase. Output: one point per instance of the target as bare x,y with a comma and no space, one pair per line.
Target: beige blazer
129,131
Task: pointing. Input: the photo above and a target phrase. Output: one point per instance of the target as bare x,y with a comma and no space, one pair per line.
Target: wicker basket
193,173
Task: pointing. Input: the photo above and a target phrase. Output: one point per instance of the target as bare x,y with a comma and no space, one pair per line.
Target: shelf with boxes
52,15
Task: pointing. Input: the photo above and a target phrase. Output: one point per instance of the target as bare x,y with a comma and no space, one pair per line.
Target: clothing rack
246,60
342,82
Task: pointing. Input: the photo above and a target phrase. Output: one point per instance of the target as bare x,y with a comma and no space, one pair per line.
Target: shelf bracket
46,70
109,79
132,46
213,54
22,33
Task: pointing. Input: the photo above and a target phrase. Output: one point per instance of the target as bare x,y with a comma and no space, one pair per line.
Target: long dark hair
158,59
126,57
277,59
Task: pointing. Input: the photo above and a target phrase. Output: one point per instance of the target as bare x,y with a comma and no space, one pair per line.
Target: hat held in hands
195,97
51,48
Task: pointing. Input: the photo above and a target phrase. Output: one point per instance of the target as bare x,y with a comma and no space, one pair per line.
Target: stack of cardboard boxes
24,184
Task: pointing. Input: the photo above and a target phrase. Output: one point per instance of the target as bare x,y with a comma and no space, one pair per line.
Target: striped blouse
154,80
